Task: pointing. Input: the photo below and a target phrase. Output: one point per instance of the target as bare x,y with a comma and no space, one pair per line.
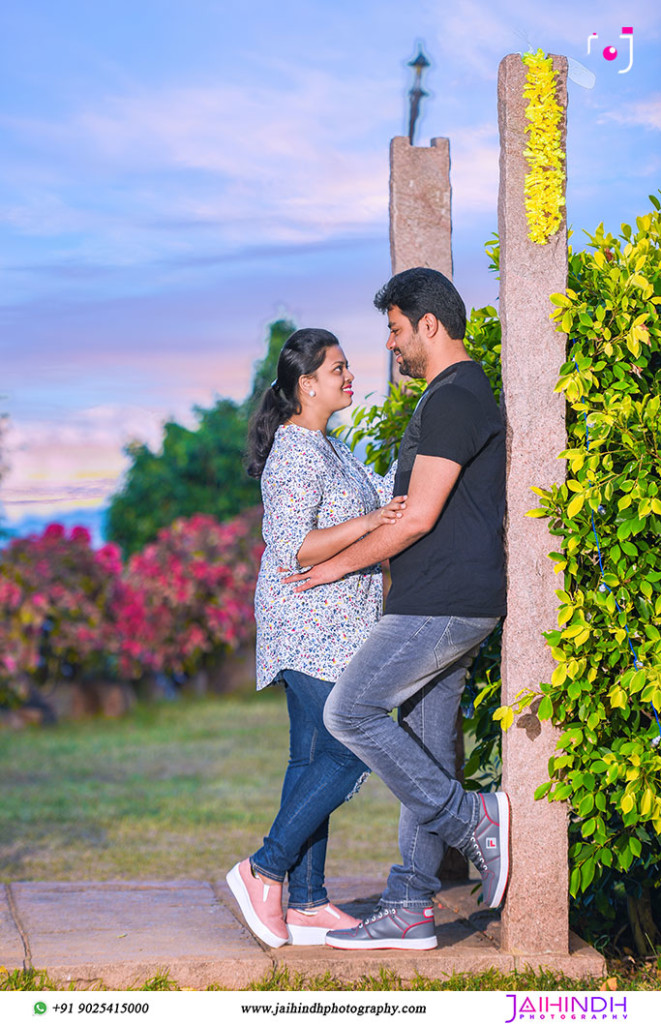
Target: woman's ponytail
272,412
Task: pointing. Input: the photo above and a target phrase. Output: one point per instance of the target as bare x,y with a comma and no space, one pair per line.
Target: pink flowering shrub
56,595
20,628
57,598
192,593
177,605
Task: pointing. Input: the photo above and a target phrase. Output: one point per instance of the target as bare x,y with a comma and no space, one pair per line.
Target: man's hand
432,480
325,572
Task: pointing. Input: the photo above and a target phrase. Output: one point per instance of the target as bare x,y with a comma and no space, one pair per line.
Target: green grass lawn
183,790
175,790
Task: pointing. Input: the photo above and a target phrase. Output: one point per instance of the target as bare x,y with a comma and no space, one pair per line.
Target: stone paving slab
121,933
460,900
12,951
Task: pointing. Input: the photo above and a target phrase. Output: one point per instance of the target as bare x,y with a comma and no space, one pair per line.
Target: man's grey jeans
418,664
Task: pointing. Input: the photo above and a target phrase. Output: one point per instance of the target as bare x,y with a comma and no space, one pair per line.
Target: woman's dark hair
302,354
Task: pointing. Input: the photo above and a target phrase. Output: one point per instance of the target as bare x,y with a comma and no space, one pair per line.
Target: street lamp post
417,92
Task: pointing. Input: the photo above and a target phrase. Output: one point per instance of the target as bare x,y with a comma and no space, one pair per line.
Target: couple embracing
437,516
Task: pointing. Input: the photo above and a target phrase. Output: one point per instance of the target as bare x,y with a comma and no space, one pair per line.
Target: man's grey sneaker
389,928
489,846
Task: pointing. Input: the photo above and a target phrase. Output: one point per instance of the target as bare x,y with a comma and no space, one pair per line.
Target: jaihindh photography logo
556,1007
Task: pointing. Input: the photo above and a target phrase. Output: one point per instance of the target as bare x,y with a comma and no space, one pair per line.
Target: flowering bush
545,183
67,609
57,597
190,594
20,625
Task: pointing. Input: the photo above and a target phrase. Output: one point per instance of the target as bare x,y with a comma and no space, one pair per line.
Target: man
448,593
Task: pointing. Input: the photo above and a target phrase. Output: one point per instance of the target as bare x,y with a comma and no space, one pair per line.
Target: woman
318,499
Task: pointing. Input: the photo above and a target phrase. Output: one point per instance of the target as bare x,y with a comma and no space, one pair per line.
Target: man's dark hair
423,290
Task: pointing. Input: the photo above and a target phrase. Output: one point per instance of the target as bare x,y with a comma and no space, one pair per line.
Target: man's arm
432,480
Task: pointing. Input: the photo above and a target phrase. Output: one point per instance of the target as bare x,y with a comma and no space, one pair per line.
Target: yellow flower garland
544,185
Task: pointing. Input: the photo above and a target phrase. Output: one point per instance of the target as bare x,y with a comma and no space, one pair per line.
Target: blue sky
178,173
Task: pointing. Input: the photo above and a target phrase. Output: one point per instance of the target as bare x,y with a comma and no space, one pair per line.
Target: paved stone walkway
121,933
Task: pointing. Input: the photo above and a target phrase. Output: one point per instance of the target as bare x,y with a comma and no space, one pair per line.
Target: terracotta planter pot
91,697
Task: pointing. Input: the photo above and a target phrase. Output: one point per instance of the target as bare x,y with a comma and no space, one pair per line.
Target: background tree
197,471
265,370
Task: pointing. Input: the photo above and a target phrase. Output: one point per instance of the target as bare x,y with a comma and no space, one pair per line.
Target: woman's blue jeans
321,775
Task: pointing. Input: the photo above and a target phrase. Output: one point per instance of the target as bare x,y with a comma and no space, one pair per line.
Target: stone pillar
420,225
535,917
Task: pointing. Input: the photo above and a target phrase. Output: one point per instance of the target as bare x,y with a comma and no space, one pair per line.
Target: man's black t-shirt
458,568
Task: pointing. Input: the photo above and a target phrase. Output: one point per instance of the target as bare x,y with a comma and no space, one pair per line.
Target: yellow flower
544,184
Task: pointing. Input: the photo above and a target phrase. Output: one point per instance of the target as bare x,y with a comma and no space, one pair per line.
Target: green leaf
626,858
558,299
575,882
627,803
587,872
606,857
505,716
646,802
618,698
586,805
573,630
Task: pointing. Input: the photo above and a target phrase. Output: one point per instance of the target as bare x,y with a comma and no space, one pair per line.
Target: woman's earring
312,393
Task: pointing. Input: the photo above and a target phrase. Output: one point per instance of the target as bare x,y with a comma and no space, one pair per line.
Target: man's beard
412,366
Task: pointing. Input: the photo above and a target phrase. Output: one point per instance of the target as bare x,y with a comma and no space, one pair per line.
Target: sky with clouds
178,173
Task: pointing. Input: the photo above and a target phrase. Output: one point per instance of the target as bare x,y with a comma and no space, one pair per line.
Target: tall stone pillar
535,917
420,198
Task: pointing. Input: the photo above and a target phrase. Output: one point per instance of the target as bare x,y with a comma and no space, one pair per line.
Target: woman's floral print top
312,481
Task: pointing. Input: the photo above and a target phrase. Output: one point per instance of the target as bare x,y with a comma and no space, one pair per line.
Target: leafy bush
605,693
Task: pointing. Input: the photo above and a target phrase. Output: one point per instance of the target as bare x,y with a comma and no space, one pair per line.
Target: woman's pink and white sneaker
309,927
261,904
